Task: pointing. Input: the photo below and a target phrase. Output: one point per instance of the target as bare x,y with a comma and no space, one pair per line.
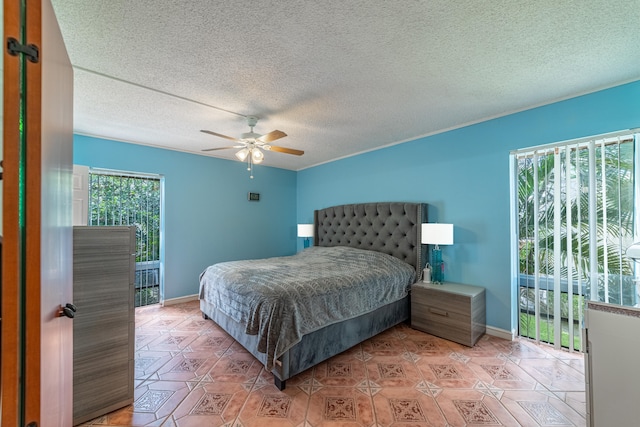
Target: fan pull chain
250,164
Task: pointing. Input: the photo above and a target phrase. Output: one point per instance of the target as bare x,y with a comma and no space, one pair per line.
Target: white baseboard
500,333
180,300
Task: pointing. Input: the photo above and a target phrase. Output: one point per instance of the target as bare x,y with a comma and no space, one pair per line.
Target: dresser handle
439,312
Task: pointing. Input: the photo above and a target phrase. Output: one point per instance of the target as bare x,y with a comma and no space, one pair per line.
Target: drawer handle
438,312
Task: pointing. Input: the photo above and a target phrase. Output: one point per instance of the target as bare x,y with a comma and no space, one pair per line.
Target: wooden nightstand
452,311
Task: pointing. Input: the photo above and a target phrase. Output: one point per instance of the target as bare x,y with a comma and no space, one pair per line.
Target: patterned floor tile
340,406
392,371
384,344
191,308
447,372
187,366
152,404
501,373
148,362
473,408
426,345
211,404
405,407
211,341
190,373
267,406
536,408
142,319
345,370
554,374
145,336
524,349
173,341
236,366
576,400
266,378
164,323
485,347
193,323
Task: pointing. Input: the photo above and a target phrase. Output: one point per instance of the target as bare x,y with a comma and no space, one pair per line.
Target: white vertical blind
570,197
574,200
593,236
557,239
536,243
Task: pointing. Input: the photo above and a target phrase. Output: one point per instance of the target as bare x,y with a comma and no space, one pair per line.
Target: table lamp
306,231
437,234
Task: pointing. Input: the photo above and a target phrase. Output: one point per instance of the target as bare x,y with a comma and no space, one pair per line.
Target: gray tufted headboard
393,228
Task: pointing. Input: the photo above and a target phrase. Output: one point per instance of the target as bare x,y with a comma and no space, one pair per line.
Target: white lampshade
437,234
242,154
305,230
257,156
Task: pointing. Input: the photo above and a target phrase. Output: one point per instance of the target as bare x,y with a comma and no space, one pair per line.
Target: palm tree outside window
575,208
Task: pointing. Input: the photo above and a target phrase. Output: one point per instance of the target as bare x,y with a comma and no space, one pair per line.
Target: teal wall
463,176
208,218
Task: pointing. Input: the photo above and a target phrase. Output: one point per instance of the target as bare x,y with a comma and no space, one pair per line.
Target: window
119,198
575,207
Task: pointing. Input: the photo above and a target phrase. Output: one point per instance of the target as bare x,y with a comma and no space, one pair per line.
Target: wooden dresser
452,311
104,267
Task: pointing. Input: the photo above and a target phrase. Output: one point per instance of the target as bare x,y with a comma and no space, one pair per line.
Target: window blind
576,215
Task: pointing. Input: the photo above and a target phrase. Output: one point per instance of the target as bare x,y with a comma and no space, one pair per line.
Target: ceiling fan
251,144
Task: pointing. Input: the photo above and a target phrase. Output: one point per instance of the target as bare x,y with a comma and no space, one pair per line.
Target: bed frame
393,228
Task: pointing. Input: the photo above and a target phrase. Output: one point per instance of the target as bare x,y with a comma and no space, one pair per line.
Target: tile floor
191,373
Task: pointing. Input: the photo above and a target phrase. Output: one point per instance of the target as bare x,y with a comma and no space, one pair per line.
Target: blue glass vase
437,265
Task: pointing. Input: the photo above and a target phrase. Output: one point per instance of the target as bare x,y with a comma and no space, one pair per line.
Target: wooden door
37,357
52,334
11,347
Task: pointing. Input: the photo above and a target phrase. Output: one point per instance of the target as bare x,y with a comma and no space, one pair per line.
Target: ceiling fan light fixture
252,144
242,154
257,156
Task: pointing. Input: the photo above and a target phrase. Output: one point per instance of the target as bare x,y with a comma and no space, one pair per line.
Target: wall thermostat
254,197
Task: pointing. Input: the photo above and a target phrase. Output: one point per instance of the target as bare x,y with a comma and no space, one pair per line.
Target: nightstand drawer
446,324
450,311
444,301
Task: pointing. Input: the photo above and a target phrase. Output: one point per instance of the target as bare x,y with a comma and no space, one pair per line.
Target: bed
376,244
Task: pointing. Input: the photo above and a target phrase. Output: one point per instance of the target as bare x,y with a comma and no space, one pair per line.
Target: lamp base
437,266
306,242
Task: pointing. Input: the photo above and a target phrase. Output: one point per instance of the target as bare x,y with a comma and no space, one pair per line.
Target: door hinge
14,47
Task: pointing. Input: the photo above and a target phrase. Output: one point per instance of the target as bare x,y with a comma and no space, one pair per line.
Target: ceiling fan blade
220,135
221,148
285,150
272,136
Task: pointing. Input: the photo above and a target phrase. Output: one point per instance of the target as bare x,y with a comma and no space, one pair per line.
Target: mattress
281,299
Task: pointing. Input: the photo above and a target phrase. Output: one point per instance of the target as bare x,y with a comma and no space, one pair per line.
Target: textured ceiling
338,76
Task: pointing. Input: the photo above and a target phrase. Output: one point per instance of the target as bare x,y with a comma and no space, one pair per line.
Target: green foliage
146,296
118,200
610,232
547,302
126,200
547,331
614,170
547,324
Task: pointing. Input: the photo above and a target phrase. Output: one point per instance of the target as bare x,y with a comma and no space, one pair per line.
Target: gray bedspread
281,299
